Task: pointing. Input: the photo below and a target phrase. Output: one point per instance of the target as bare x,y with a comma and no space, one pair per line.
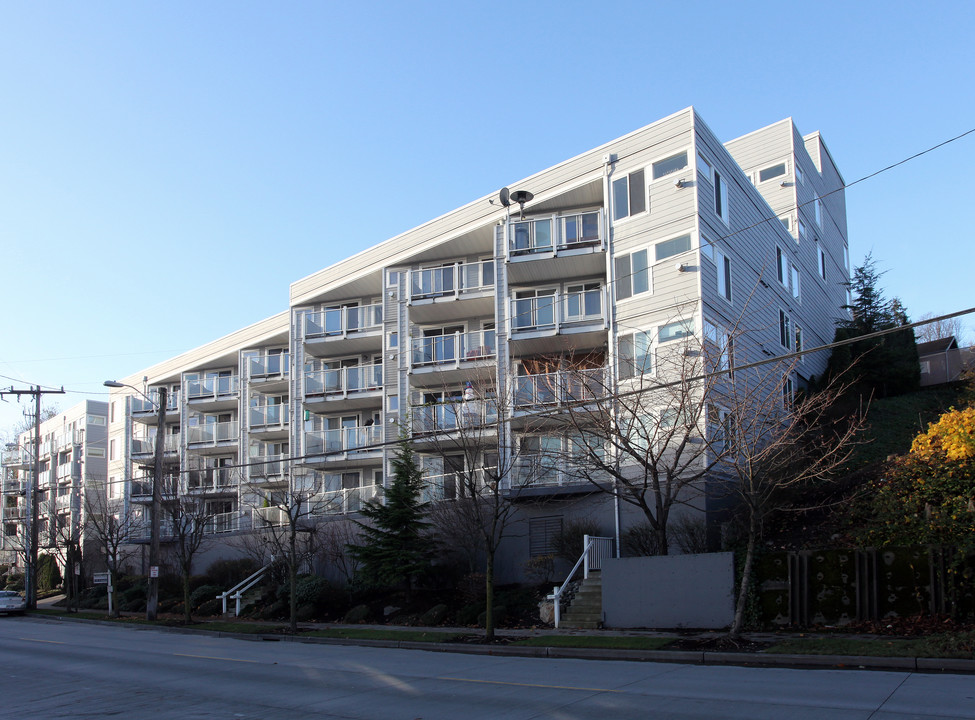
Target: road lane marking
531,685
52,642
210,657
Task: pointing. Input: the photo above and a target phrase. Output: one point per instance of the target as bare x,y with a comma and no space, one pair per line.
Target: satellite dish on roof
504,196
521,197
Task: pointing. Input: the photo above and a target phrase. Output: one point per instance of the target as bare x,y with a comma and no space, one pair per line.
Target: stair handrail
590,542
240,588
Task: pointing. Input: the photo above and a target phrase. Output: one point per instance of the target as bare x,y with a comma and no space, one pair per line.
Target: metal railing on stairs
595,550
238,590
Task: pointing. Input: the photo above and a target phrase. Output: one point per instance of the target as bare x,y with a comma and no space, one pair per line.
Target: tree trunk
187,614
746,576
489,599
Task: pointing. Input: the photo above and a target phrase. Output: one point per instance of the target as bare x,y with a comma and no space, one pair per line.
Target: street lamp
152,595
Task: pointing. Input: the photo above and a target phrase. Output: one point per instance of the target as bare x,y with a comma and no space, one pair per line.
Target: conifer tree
397,548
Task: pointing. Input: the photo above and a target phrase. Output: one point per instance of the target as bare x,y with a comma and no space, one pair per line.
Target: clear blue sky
167,169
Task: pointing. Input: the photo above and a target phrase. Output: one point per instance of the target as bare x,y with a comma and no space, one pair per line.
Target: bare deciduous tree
110,526
940,329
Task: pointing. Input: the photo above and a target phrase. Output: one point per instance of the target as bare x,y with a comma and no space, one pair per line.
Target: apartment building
599,263
72,462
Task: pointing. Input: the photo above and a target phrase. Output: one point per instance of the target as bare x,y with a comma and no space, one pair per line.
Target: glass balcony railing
147,446
559,387
359,378
263,366
210,479
223,523
212,433
452,280
477,415
264,416
454,349
450,486
347,500
548,310
262,467
342,321
545,235
151,403
213,387
347,439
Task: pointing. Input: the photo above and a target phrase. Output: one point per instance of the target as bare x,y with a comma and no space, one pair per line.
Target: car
12,602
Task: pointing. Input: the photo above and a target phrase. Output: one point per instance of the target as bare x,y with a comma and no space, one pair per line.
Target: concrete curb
798,662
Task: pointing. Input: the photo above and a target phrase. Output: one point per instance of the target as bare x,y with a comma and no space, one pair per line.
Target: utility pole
30,585
152,597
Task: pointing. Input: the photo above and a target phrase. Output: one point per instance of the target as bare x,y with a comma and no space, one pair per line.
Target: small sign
77,568
154,571
100,578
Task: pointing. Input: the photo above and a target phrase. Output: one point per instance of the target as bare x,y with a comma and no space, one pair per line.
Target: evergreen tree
883,366
397,548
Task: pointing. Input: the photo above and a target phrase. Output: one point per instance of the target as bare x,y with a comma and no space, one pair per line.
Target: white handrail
592,555
240,588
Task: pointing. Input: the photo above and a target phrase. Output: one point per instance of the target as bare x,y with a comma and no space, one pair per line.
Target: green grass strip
393,635
610,642
947,645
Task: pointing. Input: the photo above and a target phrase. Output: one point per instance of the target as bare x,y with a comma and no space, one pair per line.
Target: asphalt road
53,670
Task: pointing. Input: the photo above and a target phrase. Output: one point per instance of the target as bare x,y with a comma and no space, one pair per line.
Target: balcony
546,320
223,523
450,486
144,449
558,388
348,500
267,468
212,435
434,292
140,488
447,359
268,421
268,372
214,392
433,423
146,410
359,329
211,480
571,246
363,444
359,386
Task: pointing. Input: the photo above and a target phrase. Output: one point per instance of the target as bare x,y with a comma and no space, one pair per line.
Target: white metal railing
209,479
552,310
560,387
267,365
151,403
141,487
595,551
266,466
238,590
346,439
212,387
544,235
211,433
454,349
347,500
456,280
147,446
360,378
336,322
267,416
453,415
453,485
222,523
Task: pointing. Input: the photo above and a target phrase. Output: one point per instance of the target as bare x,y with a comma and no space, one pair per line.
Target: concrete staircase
585,610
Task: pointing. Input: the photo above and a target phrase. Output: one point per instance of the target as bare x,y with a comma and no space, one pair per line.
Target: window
534,308
772,172
795,282
798,346
580,228
707,248
392,278
785,329
781,267
669,248
583,301
668,166
787,392
392,403
846,258
818,205
394,339
799,176
532,236
720,198
96,452
721,429
112,412
718,346
786,222
822,261
111,449
675,331
704,167
723,263
96,420
635,354
629,195
926,367
632,275
802,229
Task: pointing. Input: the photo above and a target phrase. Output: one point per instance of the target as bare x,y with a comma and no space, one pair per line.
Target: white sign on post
154,571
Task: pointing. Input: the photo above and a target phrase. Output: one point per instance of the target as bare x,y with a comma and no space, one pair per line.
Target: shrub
358,614
48,575
15,582
640,541
312,590
569,542
210,607
204,594
434,616
227,573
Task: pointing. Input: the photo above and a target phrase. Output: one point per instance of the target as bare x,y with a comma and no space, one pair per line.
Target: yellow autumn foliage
951,438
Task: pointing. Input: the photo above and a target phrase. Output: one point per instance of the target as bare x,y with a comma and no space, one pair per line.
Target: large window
629,195
669,248
781,267
635,354
771,172
795,282
632,274
785,330
718,346
669,165
583,301
675,330
721,197
723,263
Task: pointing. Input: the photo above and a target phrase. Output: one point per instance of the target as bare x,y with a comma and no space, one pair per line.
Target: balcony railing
545,235
151,403
210,479
144,446
274,516
347,439
450,486
222,523
438,417
454,349
559,387
456,280
337,322
262,366
141,487
264,416
264,467
212,433
550,311
360,378
348,500
213,387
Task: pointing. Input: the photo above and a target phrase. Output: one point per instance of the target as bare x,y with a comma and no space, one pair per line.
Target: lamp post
152,594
